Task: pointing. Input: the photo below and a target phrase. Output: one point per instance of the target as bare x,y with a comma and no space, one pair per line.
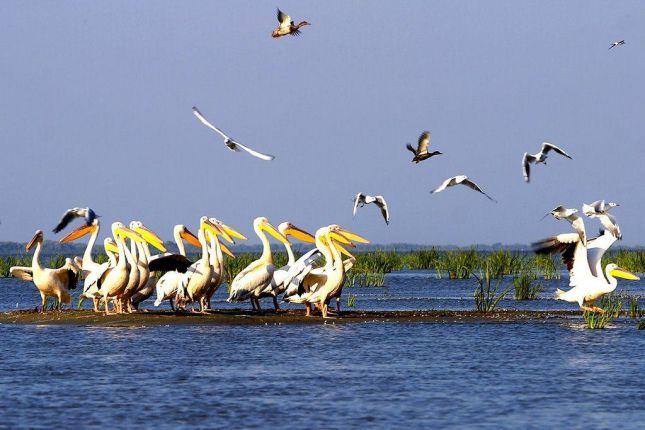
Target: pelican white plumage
363,199
50,282
230,143
585,267
71,214
461,180
539,157
571,215
599,209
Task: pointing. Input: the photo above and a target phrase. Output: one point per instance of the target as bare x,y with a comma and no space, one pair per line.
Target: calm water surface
374,375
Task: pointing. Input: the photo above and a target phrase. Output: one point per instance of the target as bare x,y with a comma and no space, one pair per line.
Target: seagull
363,199
287,26
617,43
599,209
230,143
463,180
421,153
570,215
86,213
540,157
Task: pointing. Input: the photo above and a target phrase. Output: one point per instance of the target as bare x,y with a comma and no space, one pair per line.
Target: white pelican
252,280
540,157
362,199
421,153
86,213
280,276
230,143
599,209
287,26
617,43
50,282
585,268
576,222
460,180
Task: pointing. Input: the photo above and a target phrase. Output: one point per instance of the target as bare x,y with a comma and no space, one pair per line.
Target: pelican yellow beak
274,232
151,237
189,237
341,249
353,236
341,238
111,247
619,272
78,233
130,234
213,229
225,250
232,232
32,242
299,234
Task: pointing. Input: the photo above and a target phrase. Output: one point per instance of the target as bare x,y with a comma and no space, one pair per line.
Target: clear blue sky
95,102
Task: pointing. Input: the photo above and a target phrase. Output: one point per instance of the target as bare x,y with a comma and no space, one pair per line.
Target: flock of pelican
132,273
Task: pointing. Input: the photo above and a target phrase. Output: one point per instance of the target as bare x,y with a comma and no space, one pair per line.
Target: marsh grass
525,287
351,300
360,279
611,304
487,295
641,325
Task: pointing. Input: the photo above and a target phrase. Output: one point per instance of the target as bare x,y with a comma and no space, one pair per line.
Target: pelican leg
43,303
257,303
338,305
276,305
95,302
597,309
307,309
107,305
172,305
253,304
587,308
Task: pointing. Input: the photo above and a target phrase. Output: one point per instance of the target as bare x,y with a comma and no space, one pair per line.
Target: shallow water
378,375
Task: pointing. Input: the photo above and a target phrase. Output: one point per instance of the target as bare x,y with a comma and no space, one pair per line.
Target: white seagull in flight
461,180
540,157
363,199
230,143
617,43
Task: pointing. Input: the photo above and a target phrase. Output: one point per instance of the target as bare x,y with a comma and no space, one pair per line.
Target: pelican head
618,272
38,238
223,231
287,229
263,224
121,231
148,235
183,232
229,231
110,246
81,231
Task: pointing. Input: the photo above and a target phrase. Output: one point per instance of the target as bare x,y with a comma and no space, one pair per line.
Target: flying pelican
86,213
50,282
599,209
570,215
540,157
461,180
254,278
421,153
287,26
617,43
362,199
278,283
585,268
166,286
230,143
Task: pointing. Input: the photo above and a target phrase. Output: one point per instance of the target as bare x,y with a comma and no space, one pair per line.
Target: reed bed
488,294
612,304
526,287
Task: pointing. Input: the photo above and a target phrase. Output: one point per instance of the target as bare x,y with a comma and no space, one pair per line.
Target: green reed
611,304
525,286
351,300
488,295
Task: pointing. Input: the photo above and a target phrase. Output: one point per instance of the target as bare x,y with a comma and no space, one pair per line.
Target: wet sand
243,317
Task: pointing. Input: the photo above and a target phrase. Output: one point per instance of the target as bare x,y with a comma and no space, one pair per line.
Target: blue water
373,375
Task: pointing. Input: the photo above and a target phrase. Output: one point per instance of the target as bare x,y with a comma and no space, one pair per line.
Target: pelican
570,215
461,180
585,268
599,209
50,282
287,26
421,153
540,157
254,278
174,265
86,213
617,43
230,143
280,276
363,199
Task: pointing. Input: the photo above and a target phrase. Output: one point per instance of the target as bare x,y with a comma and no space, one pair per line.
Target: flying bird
287,26
540,157
617,43
599,209
570,215
71,214
421,153
230,143
363,199
461,180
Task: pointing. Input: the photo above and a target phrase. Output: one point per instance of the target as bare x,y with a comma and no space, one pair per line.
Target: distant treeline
453,264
